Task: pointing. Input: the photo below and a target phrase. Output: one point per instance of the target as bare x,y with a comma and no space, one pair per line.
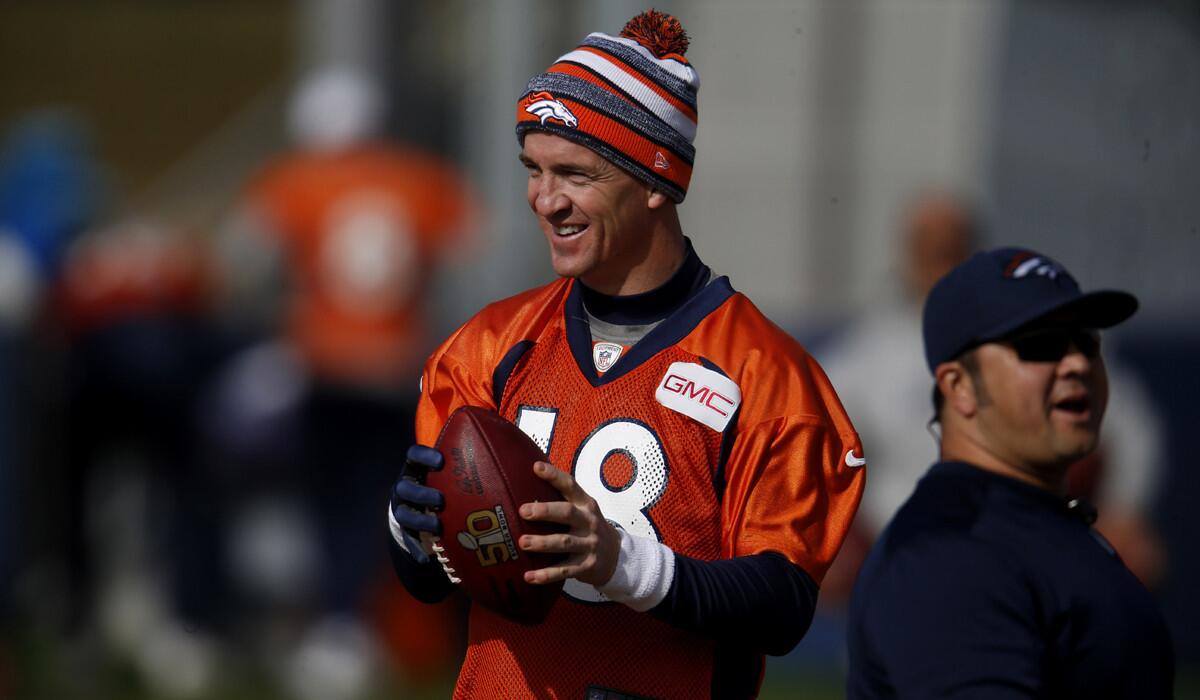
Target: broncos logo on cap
1025,263
543,106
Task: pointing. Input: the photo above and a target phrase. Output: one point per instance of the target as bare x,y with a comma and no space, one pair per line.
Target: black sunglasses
1052,344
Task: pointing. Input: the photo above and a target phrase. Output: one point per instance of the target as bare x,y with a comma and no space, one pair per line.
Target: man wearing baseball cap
989,582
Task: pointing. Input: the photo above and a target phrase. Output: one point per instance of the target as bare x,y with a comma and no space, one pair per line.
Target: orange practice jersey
360,229
715,434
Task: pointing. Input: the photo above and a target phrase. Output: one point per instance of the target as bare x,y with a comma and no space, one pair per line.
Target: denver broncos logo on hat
543,106
1026,263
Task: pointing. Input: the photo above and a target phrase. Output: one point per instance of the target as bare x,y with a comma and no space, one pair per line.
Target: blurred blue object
51,186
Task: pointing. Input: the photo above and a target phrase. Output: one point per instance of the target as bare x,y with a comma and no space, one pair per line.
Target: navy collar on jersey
681,319
654,305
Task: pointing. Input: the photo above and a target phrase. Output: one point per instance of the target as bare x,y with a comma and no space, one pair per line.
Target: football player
708,469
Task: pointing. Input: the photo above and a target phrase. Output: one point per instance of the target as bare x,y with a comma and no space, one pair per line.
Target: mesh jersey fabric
774,480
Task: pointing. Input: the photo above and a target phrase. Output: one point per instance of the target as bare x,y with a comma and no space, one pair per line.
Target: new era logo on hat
997,292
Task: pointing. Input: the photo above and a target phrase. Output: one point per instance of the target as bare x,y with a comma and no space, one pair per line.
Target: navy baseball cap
998,291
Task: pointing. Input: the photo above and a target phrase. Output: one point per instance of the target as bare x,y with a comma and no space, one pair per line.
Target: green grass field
32,669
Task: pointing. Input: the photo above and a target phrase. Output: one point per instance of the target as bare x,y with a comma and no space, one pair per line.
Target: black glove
411,499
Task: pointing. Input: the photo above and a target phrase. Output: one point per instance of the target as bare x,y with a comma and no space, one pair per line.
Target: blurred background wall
1072,126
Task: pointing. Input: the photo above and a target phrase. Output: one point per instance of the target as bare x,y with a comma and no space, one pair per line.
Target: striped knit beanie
631,98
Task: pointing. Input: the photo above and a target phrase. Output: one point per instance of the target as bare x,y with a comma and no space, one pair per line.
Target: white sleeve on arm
645,570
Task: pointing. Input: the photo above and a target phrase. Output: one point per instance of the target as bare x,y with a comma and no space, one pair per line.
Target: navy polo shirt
983,586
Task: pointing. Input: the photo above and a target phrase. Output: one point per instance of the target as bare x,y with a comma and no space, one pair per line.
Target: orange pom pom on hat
631,98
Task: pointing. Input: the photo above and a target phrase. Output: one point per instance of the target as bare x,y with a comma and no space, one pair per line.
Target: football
488,474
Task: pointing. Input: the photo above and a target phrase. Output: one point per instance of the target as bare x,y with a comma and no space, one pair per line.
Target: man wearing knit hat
708,469
989,582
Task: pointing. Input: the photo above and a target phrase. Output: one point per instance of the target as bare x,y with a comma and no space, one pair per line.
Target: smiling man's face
595,216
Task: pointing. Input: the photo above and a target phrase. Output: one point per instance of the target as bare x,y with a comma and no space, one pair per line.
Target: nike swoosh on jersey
853,461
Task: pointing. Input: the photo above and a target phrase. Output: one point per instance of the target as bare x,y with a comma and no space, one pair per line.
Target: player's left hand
412,502
593,544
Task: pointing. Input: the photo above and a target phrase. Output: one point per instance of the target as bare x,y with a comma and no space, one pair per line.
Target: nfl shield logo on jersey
605,355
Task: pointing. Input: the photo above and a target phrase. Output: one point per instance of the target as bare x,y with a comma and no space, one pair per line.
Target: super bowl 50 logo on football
487,535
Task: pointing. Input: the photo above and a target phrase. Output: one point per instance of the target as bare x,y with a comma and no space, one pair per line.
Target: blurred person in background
132,308
101,354
877,366
51,188
327,264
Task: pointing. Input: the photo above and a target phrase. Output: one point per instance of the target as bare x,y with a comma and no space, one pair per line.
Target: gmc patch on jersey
699,393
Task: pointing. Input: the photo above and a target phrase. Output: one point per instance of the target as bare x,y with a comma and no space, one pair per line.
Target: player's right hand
412,502
592,545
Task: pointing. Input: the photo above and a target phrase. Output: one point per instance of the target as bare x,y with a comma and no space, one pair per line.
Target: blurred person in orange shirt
329,258
353,225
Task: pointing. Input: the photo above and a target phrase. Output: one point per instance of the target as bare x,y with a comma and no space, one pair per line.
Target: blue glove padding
411,498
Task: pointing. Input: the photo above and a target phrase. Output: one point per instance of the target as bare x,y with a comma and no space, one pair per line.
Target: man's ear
958,388
656,199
